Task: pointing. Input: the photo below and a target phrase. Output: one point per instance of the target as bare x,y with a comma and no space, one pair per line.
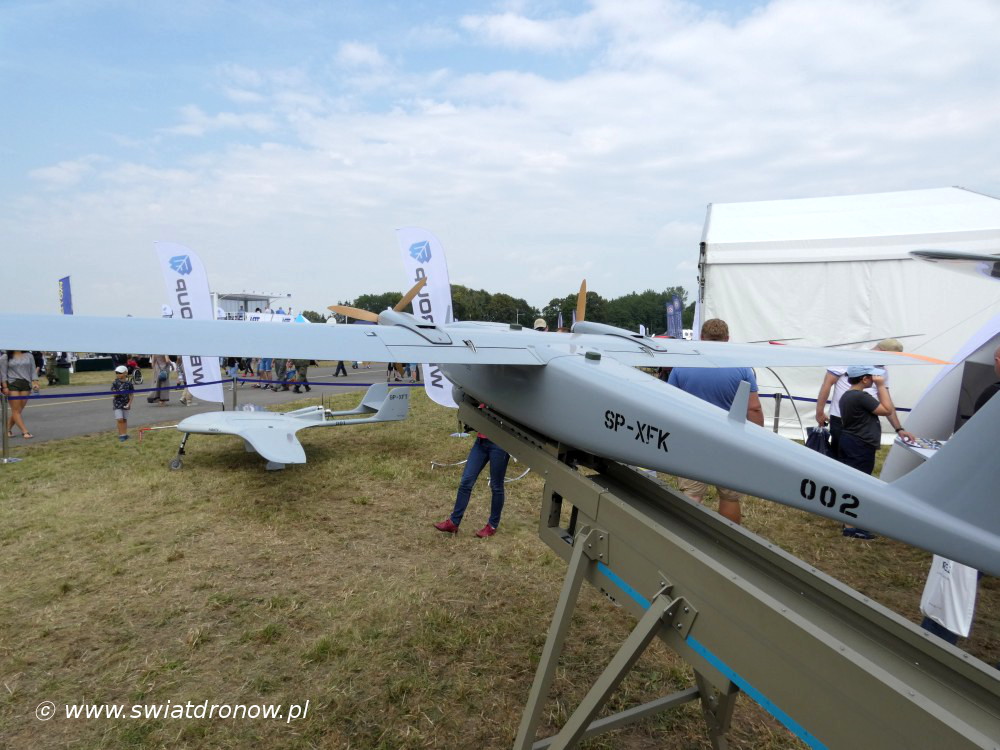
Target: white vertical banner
188,296
423,256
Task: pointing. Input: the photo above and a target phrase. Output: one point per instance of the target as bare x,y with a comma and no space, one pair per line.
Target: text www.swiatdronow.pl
48,710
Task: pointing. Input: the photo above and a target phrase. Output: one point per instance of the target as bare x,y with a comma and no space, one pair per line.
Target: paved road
55,418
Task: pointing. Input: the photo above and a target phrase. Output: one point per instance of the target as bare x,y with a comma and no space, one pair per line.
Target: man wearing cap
835,381
540,324
861,433
122,402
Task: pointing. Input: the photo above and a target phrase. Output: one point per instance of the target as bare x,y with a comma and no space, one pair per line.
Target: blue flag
65,296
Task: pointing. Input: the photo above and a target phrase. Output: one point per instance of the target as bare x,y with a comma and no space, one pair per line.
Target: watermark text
190,710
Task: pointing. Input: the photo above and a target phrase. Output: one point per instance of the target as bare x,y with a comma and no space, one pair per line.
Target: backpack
818,440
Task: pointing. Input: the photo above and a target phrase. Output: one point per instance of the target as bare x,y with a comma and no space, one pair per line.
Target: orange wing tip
922,358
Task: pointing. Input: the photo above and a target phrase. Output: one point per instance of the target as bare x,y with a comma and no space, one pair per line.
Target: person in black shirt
861,433
859,413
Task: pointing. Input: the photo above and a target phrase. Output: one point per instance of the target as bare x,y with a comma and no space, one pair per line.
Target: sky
543,142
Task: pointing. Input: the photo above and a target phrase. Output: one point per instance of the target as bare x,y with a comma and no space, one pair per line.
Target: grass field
125,583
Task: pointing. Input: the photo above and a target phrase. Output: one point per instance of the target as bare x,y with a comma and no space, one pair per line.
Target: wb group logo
421,251
181,264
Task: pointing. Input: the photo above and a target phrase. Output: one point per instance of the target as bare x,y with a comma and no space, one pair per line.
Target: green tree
596,308
478,304
313,317
647,308
687,317
468,304
376,303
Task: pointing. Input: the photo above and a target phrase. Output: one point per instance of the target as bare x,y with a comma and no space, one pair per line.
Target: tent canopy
877,226
834,271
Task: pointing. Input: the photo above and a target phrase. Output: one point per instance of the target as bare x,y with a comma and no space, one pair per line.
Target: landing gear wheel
175,463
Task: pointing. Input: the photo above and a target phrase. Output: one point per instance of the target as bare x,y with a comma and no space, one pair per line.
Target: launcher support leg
554,643
659,613
717,709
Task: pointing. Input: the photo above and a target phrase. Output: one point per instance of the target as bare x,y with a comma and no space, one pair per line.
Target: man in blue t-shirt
717,385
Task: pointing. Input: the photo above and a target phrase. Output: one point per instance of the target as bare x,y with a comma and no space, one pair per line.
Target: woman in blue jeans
483,451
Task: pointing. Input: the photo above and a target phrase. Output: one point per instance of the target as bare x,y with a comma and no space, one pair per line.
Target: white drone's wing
402,338
971,263
271,435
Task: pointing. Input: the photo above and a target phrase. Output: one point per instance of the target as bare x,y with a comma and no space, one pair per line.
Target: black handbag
818,440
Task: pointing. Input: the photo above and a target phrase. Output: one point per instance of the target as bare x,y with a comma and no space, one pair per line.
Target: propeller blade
581,302
354,312
408,297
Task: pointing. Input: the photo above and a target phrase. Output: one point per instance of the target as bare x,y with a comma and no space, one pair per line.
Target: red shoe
486,531
446,526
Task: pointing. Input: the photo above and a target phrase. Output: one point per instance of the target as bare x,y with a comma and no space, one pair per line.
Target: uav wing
271,434
401,337
971,263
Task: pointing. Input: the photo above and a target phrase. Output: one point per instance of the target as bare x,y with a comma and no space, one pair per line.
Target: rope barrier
111,393
293,383
809,400
290,384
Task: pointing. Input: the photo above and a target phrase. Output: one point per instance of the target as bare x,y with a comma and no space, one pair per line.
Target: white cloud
520,32
195,122
65,174
243,96
358,55
533,179
241,76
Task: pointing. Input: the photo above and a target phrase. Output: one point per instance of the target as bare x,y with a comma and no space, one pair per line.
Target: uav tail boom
963,477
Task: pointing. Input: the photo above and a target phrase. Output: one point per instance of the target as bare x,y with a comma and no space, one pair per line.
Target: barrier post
4,416
777,411
233,386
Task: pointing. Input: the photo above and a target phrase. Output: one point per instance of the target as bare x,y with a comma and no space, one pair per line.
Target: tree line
647,308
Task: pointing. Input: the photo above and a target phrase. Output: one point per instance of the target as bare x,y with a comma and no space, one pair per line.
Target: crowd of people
20,372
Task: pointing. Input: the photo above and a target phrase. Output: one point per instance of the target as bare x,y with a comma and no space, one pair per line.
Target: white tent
836,271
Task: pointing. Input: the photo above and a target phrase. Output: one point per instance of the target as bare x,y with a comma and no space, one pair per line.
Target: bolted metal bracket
596,546
666,585
680,615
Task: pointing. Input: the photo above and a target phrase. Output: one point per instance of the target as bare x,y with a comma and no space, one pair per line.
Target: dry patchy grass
127,583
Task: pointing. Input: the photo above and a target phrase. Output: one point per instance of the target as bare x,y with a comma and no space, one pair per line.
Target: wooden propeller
408,297
581,302
359,314
355,312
